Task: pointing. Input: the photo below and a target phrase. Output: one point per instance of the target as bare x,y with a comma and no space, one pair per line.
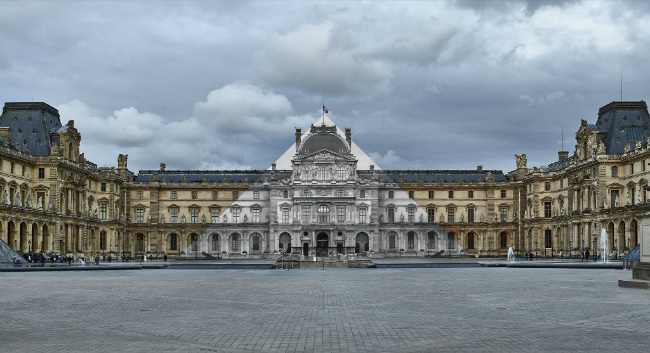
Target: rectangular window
340,214
431,215
215,195
139,215
306,214
615,201
451,194
256,195
140,195
411,214
41,173
22,171
102,211
503,211
256,215
214,215
450,215
547,186
391,215
235,215
547,209
362,194
470,215
173,215
194,216
256,243
235,195
503,194
410,194
174,195
285,215
430,194
102,186
470,194
391,194
195,195
362,215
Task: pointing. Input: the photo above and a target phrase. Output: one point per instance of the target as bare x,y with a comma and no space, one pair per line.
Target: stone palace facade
322,197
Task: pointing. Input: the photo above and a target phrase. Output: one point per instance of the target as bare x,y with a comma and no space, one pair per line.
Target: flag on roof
324,109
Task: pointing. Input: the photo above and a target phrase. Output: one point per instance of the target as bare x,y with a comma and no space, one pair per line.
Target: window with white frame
362,215
256,215
173,215
285,214
214,215
340,214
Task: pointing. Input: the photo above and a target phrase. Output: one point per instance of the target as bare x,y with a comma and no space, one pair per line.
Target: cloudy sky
423,85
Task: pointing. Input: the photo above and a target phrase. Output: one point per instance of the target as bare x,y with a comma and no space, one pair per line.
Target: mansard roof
447,176
621,124
31,122
198,176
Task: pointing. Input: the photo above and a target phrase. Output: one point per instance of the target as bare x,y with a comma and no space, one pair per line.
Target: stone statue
627,148
225,219
627,198
494,220
462,217
521,160
442,219
149,218
5,198
401,217
421,218
17,200
601,148
39,202
372,218
49,205
381,218
638,146
183,219
268,219
203,219
605,204
482,217
616,201
638,198
526,214
245,218
162,219
121,160
29,201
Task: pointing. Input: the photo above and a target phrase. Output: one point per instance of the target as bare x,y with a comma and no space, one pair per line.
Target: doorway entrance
322,244
305,249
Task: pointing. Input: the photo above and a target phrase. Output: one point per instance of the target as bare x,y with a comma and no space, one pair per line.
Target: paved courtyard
374,310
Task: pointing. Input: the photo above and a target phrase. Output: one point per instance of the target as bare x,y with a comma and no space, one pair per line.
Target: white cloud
307,58
391,160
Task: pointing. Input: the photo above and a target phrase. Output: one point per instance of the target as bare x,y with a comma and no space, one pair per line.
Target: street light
16,244
561,246
536,248
570,248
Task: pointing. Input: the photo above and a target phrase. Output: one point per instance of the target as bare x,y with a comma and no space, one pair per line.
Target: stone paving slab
361,310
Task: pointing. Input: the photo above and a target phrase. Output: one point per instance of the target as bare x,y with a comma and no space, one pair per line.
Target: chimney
273,166
348,136
162,167
562,155
372,167
298,135
480,167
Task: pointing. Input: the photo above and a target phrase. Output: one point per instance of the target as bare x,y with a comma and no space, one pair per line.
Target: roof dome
324,141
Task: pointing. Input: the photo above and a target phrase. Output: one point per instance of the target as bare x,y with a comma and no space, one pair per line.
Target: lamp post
536,248
570,249
594,244
561,246
16,244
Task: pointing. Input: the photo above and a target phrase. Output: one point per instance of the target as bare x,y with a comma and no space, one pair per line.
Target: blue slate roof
448,176
31,126
621,124
197,176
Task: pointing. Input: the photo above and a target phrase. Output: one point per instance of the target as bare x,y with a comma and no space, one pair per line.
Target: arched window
139,242
215,242
548,240
173,241
432,237
234,246
195,242
470,240
322,173
411,240
503,240
392,239
255,240
323,214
